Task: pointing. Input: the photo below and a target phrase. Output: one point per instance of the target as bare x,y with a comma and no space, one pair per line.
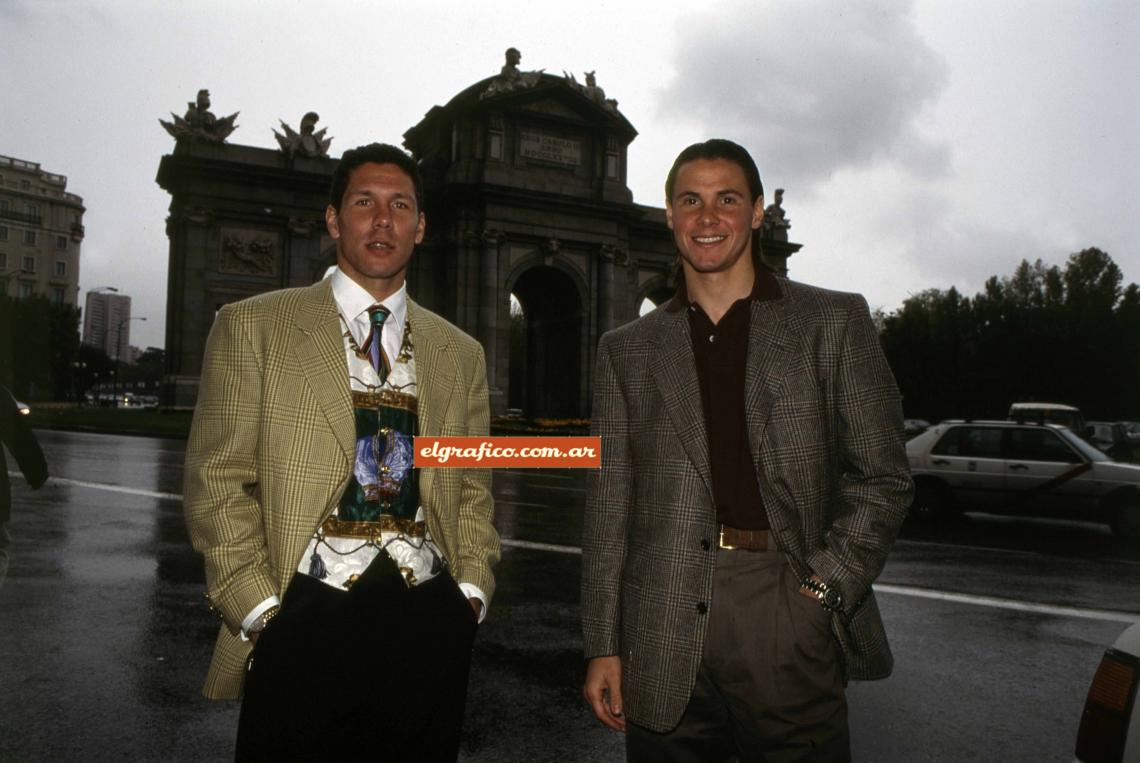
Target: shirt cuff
472,591
256,612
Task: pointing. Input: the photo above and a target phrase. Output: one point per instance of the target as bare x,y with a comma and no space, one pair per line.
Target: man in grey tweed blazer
753,479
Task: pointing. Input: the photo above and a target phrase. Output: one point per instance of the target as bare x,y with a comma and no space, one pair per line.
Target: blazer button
705,544
702,608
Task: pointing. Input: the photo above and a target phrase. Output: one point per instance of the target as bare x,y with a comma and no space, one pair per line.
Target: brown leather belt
745,540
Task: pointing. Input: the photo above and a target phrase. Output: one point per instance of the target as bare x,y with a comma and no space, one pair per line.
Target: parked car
1110,437
23,408
911,427
1132,430
1030,469
1110,723
1049,413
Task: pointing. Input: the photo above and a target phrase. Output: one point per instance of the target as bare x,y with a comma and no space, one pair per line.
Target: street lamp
119,353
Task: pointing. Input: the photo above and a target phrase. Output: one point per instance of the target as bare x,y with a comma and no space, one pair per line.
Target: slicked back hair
374,153
718,148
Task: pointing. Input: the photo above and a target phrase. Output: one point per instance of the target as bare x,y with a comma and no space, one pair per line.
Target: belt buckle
721,543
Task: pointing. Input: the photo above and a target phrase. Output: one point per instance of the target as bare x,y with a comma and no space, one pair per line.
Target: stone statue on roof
591,89
200,123
510,78
776,222
308,142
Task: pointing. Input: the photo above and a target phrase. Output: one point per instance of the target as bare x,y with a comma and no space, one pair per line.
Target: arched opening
654,297
546,340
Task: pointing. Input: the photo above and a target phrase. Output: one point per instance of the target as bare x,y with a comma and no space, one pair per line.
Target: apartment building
107,324
41,228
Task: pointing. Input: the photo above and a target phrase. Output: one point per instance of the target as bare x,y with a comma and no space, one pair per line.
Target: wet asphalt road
104,635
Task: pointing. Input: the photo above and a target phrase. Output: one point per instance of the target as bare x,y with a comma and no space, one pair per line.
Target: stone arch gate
525,181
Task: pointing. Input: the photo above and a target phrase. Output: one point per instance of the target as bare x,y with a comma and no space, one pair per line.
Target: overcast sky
921,144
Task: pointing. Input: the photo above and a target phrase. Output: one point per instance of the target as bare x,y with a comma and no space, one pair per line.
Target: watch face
832,598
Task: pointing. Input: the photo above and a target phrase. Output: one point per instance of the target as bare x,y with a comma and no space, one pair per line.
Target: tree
39,343
1042,333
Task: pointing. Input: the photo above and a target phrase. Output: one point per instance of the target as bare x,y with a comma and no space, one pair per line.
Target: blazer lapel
770,346
318,348
675,373
436,371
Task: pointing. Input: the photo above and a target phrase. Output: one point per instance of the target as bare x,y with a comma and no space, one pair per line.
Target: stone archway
546,345
654,293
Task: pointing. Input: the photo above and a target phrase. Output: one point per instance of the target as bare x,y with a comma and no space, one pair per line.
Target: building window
60,268
3,232
30,237
33,210
61,242
29,265
57,295
25,185
3,205
3,260
496,147
612,166
25,290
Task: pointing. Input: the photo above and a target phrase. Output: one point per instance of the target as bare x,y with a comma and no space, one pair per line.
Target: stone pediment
537,93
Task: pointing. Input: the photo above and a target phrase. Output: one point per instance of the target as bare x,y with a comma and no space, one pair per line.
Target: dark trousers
770,685
378,672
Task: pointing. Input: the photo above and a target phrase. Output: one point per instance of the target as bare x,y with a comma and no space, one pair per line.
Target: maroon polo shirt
720,351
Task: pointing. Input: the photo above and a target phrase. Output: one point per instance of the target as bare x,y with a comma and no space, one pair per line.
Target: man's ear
758,212
331,222
420,227
669,214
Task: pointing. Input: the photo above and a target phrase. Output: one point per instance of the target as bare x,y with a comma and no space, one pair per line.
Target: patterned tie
377,314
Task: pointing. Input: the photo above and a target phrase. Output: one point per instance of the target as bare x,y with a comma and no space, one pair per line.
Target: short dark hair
374,153
718,148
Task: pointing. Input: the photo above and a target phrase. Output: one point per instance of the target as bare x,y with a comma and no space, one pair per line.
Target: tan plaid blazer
825,426
272,444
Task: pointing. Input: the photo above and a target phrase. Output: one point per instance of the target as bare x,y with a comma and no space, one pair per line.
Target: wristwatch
829,598
262,620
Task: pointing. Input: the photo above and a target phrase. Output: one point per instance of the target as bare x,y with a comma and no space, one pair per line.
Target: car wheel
1126,522
931,502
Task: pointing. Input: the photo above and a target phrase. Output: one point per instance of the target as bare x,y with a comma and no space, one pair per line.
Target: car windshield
1086,450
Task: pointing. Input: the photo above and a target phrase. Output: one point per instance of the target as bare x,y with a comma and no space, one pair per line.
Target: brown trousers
770,686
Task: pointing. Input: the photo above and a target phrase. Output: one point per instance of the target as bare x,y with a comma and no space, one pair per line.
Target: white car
1011,467
1110,723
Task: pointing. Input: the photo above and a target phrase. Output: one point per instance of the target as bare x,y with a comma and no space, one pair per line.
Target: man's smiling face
711,214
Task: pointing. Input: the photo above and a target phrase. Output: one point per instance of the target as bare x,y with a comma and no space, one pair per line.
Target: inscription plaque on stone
548,148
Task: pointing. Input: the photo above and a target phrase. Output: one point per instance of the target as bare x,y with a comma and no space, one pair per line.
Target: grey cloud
811,87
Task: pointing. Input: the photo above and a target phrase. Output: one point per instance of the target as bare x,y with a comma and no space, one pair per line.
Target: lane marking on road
922,593
534,546
112,488
1020,606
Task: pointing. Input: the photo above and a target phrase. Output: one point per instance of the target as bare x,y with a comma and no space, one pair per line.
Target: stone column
606,257
489,299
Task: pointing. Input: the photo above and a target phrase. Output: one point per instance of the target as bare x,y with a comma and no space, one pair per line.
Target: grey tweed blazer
825,427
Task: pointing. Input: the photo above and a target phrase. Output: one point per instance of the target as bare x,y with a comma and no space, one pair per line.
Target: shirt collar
353,300
764,288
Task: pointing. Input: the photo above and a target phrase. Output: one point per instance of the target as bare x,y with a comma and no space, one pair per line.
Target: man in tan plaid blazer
273,442
753,478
